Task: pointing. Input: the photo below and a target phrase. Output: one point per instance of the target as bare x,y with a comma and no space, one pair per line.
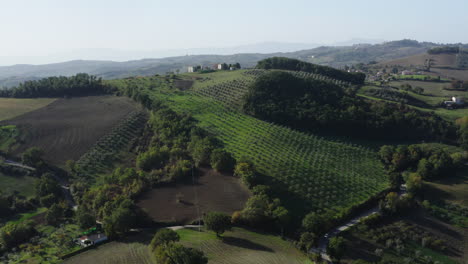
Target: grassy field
24,185
453,188
115,253
322,173
12,107
67,128
241,246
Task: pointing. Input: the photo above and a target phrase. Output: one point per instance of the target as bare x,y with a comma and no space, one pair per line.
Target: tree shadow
244,243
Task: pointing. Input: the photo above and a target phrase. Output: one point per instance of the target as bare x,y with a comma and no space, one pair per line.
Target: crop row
323,172
105,150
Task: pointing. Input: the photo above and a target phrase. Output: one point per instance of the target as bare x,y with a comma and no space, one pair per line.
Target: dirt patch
212,190
183,84
67,128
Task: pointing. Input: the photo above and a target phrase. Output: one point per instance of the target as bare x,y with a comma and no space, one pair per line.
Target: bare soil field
212,190
67,128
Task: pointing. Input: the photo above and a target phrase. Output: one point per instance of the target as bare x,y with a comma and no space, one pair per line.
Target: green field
241,246
22,184
433,96
322,173
13,107
115,253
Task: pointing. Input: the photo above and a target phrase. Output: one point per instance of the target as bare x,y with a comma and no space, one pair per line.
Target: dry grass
13,107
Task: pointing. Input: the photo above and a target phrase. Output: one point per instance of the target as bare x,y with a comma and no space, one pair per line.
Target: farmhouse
93,239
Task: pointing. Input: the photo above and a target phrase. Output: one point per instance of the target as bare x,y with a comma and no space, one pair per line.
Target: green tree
336,248
222,160
414,183
13,234
54,214
163,237
178,254
390,204
48,189
313,222
386,154
307,241
200,149
217,222
246,173
32,157
85,218
425,168
281,217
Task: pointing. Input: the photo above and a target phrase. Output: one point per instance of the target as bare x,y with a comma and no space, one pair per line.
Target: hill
331,56
317,172
446,65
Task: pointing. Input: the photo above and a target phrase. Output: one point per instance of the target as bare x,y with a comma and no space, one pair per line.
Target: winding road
323,241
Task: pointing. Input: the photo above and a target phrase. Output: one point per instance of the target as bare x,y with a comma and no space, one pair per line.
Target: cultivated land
444,65
116,252
13,107
319,172
67,128
211,191
240,246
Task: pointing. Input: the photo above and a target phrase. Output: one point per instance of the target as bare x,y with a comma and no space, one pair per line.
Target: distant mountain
336,56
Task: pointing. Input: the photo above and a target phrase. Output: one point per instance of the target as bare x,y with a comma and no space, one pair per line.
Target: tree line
282,63
81,84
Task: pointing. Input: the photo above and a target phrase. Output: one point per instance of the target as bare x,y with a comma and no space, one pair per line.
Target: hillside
318,172
332,56
446,65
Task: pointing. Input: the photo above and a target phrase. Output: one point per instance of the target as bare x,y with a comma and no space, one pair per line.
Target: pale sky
31,28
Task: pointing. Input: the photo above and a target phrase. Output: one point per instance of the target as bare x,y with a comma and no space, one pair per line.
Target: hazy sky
44,27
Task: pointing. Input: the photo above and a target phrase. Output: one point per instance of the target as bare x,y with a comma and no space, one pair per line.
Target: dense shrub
297,65
78,85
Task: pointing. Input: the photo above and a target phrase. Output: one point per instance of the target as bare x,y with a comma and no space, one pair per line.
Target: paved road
323,242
